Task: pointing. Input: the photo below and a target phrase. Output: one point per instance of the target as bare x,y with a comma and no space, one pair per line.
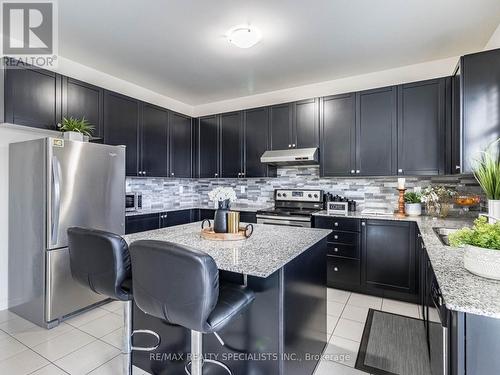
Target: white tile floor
347,313
90,343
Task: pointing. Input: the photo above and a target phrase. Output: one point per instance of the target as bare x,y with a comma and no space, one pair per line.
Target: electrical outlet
242,189
181,189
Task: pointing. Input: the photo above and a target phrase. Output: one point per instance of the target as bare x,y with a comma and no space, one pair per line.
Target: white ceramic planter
493,210
482,262
75,136
413,209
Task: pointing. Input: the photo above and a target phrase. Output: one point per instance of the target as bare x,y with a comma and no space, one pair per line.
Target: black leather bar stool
100,261
181,286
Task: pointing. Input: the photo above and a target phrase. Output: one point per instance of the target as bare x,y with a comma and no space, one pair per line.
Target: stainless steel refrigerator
55,184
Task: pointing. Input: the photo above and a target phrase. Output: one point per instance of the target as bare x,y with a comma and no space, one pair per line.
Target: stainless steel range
292,207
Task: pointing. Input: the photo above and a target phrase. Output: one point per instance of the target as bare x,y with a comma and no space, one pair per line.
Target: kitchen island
283,332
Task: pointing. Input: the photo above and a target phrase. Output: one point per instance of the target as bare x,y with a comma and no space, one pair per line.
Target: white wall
410,73
9,134
494,41
84,73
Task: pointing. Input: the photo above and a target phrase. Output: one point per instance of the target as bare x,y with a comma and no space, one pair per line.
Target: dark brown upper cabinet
478,116
180,146
231,127
305,126
281,126
256,142
121,127
338,135
376,132
154,138
421,127
32,97
207,147
295,125
82,100
455,145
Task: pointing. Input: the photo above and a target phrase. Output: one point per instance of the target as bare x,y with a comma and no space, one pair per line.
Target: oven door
282,220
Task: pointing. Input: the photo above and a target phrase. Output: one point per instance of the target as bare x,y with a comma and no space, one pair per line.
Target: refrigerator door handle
56,199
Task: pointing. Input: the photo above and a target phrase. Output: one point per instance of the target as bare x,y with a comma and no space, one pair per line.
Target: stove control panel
298,195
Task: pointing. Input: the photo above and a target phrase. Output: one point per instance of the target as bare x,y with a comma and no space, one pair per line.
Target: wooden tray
209,234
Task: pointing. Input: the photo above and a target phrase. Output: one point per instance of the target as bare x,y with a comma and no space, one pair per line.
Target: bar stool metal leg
197,359
127,338
196,353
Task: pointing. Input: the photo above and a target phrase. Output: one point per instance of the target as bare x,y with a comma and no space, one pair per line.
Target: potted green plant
413,203
482,247
487,173
75,129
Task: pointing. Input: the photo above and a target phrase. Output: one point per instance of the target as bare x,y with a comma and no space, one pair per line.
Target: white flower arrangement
221,194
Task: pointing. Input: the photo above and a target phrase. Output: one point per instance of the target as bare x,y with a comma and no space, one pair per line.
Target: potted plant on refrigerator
487,173
482,247
75,129
413,204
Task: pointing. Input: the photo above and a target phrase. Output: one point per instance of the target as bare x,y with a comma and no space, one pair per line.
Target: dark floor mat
393,345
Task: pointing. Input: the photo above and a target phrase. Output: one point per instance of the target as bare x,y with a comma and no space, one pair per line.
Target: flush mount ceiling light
243,36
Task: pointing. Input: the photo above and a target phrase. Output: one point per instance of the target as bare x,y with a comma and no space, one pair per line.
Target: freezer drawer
63,295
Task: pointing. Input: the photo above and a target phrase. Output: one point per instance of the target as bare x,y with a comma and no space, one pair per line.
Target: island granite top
462,291
268,249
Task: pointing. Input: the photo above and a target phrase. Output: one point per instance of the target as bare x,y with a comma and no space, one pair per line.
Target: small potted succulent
487,173
482,247
75,129
413,203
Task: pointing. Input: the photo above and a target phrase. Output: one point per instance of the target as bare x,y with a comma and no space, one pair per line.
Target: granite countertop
462,290
234,207
267,250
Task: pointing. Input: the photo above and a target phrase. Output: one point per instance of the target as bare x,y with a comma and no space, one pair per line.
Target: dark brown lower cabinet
343,272
377,257
388,253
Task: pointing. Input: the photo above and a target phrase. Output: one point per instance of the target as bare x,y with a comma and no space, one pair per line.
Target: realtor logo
29,32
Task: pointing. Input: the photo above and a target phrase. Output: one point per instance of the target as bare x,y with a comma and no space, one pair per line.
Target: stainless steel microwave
133,201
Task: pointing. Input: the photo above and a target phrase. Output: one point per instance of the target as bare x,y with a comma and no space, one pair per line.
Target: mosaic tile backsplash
372,192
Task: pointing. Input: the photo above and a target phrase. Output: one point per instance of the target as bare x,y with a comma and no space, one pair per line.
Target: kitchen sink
443,234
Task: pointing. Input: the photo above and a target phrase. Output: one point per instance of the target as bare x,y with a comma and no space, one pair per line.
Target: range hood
292,156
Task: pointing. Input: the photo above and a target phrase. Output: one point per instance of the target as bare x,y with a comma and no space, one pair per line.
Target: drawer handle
335,224
336,249
336,269
336,237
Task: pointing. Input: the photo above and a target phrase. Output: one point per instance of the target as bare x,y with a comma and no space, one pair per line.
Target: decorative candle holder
401,203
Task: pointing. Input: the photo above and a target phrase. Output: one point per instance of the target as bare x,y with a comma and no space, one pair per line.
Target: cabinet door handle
363,224
336,269
336,237
358,171
336,249
293,145
400,171
458,167
352,171
172,174
335,224
290,146
216,174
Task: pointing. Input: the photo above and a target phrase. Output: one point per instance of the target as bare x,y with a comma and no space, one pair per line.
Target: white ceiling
177,47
